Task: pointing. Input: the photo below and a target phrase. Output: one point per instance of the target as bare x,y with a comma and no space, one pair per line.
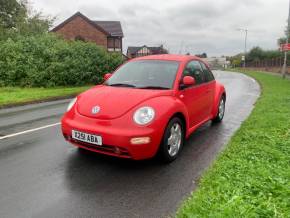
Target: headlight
144,115
71,104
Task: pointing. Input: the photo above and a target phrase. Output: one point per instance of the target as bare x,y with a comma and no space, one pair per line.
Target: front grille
108,149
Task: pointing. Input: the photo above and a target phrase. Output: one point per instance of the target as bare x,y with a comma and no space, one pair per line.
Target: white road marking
253,80
28,131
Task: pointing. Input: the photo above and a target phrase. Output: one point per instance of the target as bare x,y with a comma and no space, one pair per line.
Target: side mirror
107,76
188,81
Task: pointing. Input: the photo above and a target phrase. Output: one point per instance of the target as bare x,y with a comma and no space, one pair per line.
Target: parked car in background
148,106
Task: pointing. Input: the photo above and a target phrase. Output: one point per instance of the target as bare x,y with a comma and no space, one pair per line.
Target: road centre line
28,131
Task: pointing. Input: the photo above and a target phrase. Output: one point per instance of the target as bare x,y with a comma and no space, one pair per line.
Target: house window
143,52
117,43
114,43
111,43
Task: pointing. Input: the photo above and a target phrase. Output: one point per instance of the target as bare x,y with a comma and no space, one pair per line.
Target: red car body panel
196,105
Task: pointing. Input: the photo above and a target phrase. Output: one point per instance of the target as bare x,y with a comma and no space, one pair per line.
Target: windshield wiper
152,87
122,85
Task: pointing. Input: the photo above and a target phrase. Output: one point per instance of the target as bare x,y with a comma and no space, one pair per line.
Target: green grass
251,177
15,95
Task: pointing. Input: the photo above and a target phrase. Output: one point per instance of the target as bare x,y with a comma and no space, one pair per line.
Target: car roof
169,57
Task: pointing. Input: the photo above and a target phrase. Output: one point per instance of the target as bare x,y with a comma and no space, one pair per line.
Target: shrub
47,61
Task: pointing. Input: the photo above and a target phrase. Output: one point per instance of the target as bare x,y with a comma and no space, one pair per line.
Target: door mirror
188,81
107,76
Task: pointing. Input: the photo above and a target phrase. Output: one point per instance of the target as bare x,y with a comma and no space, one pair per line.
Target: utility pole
284,69
246,37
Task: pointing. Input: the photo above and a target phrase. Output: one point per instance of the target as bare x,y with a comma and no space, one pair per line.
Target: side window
207,73
193,69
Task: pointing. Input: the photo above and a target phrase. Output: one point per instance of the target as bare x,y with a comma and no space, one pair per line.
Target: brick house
108,34
144,50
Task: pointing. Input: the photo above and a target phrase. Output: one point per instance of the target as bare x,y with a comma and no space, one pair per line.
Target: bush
47,61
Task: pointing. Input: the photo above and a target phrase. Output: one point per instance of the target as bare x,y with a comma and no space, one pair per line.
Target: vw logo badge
95,109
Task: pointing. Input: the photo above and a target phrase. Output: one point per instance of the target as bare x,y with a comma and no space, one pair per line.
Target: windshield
146,74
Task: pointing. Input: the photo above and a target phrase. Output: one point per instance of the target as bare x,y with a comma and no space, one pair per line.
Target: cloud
102,12
185,25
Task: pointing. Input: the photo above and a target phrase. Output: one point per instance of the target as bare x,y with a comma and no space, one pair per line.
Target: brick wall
80,27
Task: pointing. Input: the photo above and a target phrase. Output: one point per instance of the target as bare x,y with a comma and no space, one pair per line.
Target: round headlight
144,115
71,104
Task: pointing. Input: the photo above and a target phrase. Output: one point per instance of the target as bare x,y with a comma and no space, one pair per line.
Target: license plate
85,137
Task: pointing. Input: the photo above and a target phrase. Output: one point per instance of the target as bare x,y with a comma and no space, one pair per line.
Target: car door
194,97
209,84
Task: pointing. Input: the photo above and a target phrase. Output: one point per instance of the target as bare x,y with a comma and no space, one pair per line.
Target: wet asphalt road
41,175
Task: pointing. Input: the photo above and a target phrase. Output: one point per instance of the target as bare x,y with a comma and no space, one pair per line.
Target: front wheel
221,110
172,141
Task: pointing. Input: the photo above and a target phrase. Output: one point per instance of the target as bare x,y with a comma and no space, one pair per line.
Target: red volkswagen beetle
149,105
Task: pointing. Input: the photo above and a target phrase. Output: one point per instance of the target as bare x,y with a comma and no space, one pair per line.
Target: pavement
41,175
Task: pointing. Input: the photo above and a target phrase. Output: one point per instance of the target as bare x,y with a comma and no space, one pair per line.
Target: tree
236,62
203,55
35,24
11,13
282,40
16,19
256,54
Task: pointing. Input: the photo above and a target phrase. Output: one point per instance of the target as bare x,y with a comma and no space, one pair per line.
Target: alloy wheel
221,108
174,140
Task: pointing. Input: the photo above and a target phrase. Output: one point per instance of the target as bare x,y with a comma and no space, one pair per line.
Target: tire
172,141
221,110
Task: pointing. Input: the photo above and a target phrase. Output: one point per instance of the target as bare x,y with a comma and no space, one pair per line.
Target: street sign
243,57
285,47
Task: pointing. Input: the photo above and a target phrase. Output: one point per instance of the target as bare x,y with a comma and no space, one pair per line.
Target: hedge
48,61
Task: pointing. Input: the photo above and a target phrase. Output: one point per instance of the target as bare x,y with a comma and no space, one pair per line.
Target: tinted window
151,74
193,69
207,73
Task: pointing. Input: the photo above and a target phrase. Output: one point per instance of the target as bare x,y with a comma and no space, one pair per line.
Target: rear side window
207,73
194,69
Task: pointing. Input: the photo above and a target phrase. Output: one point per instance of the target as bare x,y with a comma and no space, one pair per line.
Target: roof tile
112,27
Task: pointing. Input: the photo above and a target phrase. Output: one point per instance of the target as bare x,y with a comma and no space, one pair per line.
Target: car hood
114,101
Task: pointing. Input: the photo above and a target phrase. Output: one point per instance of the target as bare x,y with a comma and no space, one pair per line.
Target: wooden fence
275,62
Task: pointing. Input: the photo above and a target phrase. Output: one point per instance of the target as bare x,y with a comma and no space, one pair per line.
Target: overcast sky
193,26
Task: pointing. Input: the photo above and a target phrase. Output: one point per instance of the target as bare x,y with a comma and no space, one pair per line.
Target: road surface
44,176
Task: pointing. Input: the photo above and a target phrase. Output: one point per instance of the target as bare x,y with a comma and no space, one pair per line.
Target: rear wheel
221,110
172,141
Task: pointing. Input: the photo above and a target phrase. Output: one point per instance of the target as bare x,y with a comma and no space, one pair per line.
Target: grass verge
17,95
251,177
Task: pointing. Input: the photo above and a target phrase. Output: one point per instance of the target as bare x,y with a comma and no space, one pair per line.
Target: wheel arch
219,92
181,116
225,95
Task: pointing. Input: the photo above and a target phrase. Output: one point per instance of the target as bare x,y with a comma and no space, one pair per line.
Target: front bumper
116,135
